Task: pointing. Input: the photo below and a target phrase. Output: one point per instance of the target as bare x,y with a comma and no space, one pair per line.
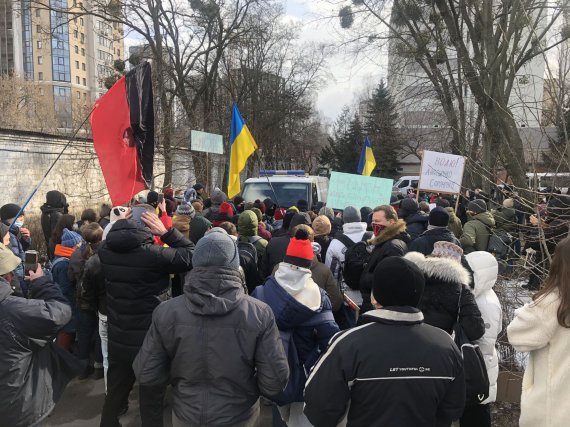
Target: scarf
63,251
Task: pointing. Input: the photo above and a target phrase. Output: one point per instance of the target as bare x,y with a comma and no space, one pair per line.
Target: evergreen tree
343,150
380,126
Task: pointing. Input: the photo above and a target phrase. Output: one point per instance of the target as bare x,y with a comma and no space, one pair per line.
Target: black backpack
248,262
356,259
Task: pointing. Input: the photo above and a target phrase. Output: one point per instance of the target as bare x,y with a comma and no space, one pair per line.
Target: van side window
404,183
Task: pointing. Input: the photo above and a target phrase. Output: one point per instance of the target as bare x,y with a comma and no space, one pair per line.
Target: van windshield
288,193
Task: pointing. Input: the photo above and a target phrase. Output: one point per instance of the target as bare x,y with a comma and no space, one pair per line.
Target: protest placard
207,142
347,189
441,172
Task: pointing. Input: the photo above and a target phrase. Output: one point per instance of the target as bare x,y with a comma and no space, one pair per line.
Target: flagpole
71,139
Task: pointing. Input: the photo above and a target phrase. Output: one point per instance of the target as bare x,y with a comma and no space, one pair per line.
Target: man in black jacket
437,231
137,275
394,370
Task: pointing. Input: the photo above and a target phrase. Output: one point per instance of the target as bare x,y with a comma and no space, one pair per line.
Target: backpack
248,262
499,242
298,372
356,259
474,369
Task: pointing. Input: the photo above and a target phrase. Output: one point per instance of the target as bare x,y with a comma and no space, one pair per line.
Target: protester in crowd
477,231
198,207
137,274
5,234
226,213
542,328
182,224
88,216
284,230
194,193
415,380
117,213
366,216
447,290
270,207
52,210
105,215
65,222
218,379
185,210
278,220
20,237
70,242
302,205
322,227
218,197
160,206
199,227
390,239
171,204
277,246
416,220
485,270
302,309
437,231
505,217
424,207
247,229
262,229
87,324
32,372
455,225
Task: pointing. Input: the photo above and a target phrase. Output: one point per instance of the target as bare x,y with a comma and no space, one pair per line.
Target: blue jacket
60,276
290,314
19,248
424,243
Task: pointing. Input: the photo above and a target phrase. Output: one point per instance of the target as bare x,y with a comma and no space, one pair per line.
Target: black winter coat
424,243
93,289
31,373
393,241
325,242
217,347
416,224
445,280
137,278
274,253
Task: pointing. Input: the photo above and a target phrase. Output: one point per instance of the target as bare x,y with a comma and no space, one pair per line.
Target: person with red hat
278,219
226,213
303,313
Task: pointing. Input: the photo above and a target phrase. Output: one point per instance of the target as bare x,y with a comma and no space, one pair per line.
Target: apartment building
68,53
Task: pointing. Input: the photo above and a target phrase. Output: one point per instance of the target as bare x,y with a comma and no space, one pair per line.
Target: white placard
441,172
208,142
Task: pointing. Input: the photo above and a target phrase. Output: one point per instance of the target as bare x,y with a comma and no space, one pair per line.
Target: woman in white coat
485,269
542,328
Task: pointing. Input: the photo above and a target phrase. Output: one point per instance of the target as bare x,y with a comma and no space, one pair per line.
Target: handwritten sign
347,189
208,142
441,172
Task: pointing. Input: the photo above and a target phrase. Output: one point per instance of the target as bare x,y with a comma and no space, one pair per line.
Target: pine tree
380,125
343,150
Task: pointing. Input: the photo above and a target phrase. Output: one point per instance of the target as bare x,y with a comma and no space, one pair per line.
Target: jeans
88,338
104,344
121,379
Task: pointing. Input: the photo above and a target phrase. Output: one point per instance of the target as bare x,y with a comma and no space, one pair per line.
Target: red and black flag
123,134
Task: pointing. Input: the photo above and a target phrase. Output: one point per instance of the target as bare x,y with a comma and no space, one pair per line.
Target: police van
286,187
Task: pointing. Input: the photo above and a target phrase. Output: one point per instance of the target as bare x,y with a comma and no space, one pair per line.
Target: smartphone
137,212
160,198
30,261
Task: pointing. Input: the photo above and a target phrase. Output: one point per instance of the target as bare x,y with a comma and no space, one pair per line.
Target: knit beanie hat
447,250
9,211
300,250
322,225
199,227
444,203
300,218
259,205
407,207
225,213
398,281
186,210
294,209
287,219
279,214
303,205
70,239
152,198
477,206
117,213
8,261
327,211
351,214
508,203
269,207
216,249
439,217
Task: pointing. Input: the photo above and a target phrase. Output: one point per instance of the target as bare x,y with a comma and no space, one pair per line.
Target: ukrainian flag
242,145
367,161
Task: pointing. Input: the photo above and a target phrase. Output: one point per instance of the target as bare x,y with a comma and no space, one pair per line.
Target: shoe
86,373
124,410
98,373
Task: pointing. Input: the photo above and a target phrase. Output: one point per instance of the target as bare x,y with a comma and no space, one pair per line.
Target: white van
289,187
406,183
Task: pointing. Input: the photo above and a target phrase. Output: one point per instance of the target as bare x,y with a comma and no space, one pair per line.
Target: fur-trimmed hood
389,233
440,268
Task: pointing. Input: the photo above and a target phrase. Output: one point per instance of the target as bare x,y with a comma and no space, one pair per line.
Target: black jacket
52,210
416,224
93,289
393,371
445,279
274,253
217,347
424,243
325,242
392,241
31,375
137,279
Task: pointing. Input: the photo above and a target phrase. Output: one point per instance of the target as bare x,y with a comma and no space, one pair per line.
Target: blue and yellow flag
242,145
367,161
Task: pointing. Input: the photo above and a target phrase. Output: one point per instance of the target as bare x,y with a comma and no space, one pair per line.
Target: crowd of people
361,315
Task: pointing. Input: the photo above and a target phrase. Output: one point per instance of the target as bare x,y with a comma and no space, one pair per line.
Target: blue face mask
19,224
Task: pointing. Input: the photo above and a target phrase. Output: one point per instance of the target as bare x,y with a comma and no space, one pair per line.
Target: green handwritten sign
347,189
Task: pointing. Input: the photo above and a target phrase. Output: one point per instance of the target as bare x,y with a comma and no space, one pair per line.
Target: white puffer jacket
485,270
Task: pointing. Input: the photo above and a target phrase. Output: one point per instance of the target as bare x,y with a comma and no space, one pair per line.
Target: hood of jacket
485,271
213,291
48,209
218,197
354,227
451,212
396,230
247,224
56,199
486,218
408,207
126,235
417,217
440,268
298,283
